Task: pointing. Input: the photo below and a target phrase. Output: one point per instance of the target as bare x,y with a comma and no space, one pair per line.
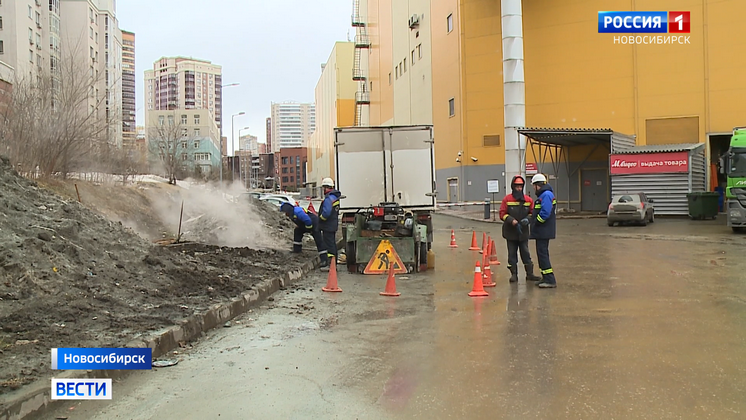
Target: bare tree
169,142
58,117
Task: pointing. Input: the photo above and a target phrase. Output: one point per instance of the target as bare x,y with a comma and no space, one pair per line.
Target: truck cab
733,164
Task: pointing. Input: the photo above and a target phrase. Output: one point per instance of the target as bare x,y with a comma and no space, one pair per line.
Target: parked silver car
630,208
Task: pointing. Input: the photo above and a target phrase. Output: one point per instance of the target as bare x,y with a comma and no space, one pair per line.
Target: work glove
518,228
525,222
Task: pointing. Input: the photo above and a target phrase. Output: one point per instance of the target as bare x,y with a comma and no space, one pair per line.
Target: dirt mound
70,277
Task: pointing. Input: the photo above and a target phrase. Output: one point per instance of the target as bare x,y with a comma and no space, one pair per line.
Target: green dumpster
703,205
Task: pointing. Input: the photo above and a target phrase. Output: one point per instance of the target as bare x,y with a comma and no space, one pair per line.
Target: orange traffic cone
390,284
473,246
484,243
478,289
453,240
493,255
311,209
331,283
487,276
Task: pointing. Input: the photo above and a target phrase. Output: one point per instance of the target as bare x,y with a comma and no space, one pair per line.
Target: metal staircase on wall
359,74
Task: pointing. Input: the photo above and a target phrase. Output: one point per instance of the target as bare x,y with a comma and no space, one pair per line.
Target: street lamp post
220,152
233,151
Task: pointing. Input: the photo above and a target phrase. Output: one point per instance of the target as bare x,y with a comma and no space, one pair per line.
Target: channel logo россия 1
643,22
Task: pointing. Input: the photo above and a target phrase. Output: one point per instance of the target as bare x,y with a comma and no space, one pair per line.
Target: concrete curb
35,399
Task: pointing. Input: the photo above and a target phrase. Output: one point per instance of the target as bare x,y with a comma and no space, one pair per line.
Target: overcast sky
273,48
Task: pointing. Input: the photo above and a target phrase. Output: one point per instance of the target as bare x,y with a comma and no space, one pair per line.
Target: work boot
324,266
513,274
545,285
530,276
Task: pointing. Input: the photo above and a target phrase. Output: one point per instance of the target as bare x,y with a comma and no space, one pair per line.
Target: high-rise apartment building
90,29
35,35
292,124
184,83
128,89
29,36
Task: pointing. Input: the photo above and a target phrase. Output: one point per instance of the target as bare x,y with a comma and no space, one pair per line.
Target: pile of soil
70,277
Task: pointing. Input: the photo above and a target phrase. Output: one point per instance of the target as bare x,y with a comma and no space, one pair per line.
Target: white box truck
387,179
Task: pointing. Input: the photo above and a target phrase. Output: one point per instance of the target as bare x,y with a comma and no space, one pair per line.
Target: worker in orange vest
515,211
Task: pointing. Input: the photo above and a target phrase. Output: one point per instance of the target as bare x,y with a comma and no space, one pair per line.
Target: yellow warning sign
385,254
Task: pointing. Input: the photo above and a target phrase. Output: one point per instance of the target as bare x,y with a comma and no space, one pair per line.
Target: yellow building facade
574,78
335,107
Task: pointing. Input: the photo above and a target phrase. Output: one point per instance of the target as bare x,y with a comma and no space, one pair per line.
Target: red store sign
649,163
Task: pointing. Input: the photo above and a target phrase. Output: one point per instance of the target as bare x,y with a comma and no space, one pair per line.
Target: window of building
30,35
419,51
171,120
196,132
2,47
284,170
92,55
30,13
196,144
38,39
1,22
183,119
292,179
184,133
160,120
405,65
38,19
389,78
284,179
285,160
183,144
297,160
184,156
96,38
292,170
413,58
451,107
90,32
196,119
38,60
449,21
31,56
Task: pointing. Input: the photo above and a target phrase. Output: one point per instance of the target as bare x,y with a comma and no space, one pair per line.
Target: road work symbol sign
385,254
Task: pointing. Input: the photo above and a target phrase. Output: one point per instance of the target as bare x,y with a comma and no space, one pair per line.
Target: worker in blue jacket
305,223
544,228
329,218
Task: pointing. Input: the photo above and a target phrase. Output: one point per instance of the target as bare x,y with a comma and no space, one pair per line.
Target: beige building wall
413,94
335,107
186,119
27,30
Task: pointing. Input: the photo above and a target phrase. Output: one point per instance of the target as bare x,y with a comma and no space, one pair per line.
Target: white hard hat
327,182
538,178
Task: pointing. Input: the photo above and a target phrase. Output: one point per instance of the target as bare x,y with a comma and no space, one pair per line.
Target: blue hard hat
286,208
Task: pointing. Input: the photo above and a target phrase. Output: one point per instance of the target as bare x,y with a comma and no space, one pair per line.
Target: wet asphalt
647,323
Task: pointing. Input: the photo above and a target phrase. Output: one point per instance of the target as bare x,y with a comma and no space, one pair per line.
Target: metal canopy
555,144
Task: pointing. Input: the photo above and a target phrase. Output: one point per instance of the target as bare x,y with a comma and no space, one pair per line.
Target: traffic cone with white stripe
478,289
453,240
484,243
